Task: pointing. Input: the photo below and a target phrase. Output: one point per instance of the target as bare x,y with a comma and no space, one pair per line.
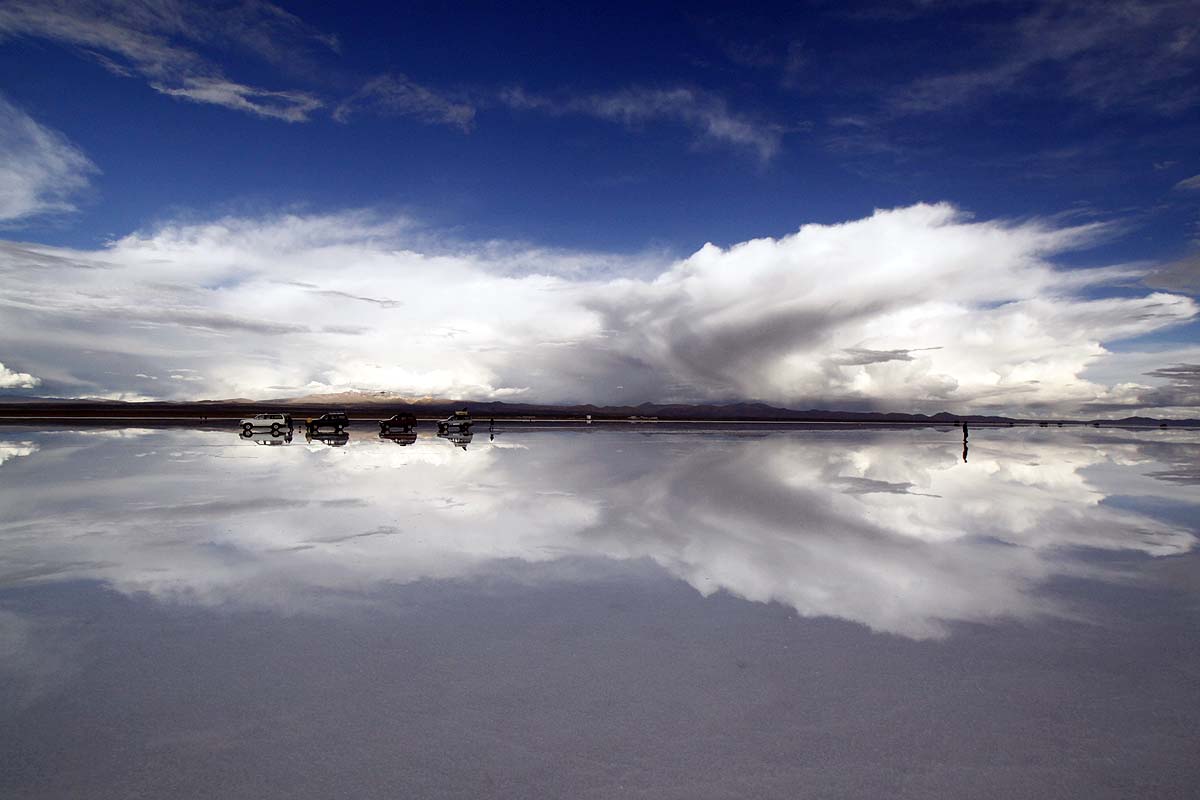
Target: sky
987,207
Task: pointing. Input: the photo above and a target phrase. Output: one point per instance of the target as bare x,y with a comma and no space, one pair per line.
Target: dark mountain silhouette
375,406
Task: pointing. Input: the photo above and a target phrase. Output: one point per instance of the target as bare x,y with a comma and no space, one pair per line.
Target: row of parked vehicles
330,428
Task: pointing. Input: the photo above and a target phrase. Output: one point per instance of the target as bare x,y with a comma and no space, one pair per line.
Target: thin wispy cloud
40,170
397,95
1189,184
287,106
1142,55
164,43
918,308
706,114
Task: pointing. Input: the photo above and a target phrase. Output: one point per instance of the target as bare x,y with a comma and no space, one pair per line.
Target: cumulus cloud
912,309
163,42
16,380
10,450
39,169
399,96
706,114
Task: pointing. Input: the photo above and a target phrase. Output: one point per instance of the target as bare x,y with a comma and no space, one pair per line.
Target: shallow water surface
588,613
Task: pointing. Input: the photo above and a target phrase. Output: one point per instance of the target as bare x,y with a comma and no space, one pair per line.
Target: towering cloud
918,308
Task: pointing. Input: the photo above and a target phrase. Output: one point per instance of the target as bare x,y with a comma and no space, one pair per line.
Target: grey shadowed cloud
1180,276
40,170
1178,390
862,355
164,42
706,114
397,95
1182,388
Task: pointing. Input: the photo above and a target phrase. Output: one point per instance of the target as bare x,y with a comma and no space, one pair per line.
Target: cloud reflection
888,529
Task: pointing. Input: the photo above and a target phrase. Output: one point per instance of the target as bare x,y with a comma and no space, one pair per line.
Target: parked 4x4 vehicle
398,422
336,421
458,421
275,422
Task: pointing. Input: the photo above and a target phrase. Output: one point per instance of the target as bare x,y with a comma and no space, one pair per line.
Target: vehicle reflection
332,438
402,438
270,438
459,438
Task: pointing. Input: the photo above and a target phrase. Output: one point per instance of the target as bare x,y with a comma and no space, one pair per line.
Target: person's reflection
965,432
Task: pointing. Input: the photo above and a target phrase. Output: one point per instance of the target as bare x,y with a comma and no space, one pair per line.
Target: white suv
276,422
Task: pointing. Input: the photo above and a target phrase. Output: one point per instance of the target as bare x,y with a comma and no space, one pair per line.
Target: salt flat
634,612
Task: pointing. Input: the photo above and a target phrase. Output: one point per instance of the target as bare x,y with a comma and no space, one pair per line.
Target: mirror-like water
600,612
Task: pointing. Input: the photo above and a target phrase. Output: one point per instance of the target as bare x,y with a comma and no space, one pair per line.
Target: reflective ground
592,613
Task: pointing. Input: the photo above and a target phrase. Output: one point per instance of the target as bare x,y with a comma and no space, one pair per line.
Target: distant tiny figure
964,430
964,450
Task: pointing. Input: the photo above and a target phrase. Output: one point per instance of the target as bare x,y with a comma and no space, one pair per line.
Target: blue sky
1033,166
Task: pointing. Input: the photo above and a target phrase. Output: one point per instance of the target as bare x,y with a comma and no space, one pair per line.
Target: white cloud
148,39
1191,183
10,450
287,106
913,309
706,114
17,380
39,169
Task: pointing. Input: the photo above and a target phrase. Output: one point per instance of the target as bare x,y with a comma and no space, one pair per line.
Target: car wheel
275,429
247,428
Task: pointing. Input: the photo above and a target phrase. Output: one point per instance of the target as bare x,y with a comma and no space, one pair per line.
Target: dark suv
337,421
398,422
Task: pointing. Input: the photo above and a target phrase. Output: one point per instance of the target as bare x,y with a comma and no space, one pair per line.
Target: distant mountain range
387,403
